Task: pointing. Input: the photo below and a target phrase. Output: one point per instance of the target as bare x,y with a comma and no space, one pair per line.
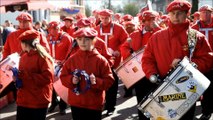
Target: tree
194,6
131,8
88,11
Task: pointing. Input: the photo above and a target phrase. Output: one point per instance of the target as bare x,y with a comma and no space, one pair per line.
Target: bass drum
182,87
130,71
61,90
6,75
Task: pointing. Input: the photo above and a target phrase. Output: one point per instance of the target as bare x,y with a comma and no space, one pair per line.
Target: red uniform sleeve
105,81
201,55
44,43
148,60
125,50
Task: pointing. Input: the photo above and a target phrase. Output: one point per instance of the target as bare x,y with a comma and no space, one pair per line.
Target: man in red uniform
60,45
13,45
68,26
205,26
169,46
114,35
137,41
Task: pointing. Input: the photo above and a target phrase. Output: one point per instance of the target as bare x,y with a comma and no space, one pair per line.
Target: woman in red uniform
36,74
87,74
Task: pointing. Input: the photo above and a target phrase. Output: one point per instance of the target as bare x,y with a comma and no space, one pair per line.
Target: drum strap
192,41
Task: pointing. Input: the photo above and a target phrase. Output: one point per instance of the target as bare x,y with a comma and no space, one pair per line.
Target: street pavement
125,110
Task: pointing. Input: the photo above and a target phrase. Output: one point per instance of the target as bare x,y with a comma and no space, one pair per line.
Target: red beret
147,15
29,35
129,23
196,14
53,25
95,11
92,19
182,5
83,22
24,16
79,16
86,32
117,15
68,18
105,12
206,8
127,17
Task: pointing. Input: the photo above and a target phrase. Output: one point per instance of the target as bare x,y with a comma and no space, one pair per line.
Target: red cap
83,22
29,35
182,5
79,16
86,32
117,15
92,19
196,14
95,11
105,12
129,23
24,16
53,25
165,18
206,8
147,15
127,17
68,18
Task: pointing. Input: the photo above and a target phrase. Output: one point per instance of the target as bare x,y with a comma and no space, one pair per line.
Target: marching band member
99,43
36,73
68,26
117,18
205,26
167,47
13,45
129,26
138,39
60,44
87,74
196,18
114,35
95,13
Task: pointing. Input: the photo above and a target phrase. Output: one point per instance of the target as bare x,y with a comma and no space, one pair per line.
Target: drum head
5,79
61,90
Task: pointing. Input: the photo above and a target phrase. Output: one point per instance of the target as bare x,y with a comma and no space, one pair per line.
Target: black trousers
9,88
62,104
206,102
143,88
111,94
24,113
85,114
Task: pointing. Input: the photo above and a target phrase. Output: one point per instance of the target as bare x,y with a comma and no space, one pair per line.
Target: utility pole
194,6
109,4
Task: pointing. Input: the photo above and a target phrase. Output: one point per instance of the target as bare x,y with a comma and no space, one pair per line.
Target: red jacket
118,37
200,25
36,74
70,30
166,45
91,62
61,45
13,45
138,41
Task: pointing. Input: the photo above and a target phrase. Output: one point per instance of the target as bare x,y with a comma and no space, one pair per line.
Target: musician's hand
92,79
75,79
116,53
175,62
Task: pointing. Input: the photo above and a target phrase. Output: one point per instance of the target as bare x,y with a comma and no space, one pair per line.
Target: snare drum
174,97
6,75
130,71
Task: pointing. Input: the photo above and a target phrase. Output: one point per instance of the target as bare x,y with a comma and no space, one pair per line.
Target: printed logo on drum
135,69
172,113
172,97
182,79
